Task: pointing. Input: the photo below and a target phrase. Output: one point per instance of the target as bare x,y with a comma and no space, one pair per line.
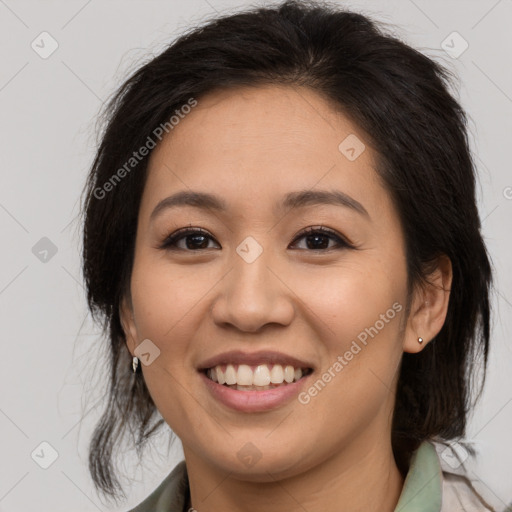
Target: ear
128,323
429,307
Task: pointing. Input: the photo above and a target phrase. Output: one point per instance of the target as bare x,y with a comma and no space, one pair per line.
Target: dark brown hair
401,99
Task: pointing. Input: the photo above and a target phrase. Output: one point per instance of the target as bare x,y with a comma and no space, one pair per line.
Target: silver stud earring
420,340
135,364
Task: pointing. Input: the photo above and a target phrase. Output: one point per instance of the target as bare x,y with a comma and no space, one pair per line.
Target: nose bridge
251,273
252,281
251,294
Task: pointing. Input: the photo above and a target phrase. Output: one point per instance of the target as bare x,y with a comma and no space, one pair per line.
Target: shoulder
438,481
459,491
170,495
459,494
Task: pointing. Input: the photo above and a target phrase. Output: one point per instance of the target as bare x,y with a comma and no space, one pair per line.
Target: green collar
422,490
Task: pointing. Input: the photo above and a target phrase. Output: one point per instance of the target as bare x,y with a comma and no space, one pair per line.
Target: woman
282,239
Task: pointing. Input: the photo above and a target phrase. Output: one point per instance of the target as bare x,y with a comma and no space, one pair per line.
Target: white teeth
289,374
261,376
221,378
243,377
230,374
277,374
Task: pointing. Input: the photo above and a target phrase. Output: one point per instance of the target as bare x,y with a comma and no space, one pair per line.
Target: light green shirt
427,488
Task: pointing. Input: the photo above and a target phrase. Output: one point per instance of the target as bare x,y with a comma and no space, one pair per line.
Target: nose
253,294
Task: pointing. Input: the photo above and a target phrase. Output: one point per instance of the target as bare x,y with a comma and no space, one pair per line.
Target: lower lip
254,401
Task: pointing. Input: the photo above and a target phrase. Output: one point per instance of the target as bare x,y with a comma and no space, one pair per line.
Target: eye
318,238
195,238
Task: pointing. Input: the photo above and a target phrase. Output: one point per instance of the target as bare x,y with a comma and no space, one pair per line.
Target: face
255,275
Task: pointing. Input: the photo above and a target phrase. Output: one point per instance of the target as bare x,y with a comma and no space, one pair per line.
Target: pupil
316,237
195,245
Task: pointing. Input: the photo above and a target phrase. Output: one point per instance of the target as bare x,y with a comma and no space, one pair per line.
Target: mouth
259,377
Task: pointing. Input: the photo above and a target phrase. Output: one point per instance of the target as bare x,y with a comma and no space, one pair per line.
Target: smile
244,377
251,398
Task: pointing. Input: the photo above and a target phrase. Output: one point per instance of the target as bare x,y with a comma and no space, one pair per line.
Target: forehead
260,143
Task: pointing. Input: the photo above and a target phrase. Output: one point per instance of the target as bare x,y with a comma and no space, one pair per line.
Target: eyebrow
292,200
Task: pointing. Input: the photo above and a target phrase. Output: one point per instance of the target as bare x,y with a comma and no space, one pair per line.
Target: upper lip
253,358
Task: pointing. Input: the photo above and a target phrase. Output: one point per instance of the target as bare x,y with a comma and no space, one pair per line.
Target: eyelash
171,241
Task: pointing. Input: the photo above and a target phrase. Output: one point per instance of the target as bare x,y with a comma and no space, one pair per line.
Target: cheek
345,301
357,317
357,311
165,300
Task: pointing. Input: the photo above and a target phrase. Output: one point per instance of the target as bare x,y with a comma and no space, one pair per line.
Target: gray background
51,352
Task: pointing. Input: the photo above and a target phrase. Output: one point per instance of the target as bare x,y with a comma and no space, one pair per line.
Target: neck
361,477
